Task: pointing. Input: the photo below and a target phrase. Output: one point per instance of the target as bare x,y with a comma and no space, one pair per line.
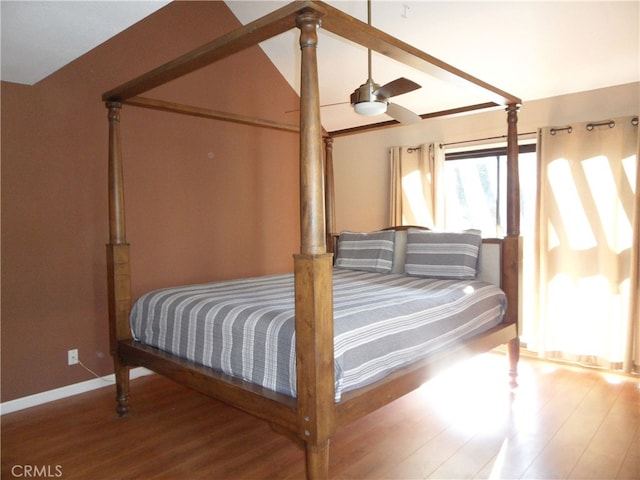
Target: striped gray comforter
245,328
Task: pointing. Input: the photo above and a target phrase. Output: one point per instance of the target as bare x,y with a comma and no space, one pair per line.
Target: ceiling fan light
370,108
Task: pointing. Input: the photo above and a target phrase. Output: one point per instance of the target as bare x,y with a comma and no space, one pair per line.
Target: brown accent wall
205,199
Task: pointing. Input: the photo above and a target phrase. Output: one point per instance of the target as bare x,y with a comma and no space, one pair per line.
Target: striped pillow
443,254
370,252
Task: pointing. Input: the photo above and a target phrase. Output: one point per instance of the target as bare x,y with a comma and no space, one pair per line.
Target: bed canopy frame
312,417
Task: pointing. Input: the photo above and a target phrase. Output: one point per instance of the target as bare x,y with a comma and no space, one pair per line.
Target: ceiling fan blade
402,114
396,87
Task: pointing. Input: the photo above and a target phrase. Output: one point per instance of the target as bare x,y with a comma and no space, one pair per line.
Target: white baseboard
68,391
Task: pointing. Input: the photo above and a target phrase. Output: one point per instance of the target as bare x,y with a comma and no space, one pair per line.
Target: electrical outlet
72,357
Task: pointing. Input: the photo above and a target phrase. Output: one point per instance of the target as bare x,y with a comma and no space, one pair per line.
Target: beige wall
361,165
205,199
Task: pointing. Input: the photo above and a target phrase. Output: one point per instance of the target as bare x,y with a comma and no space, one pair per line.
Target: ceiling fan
372,99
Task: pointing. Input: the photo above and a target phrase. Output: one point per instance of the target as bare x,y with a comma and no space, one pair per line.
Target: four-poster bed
313,414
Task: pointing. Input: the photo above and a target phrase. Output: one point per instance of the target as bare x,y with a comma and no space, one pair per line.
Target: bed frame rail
275,408
365,400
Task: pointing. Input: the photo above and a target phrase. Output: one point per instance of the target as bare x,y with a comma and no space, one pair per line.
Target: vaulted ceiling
531,49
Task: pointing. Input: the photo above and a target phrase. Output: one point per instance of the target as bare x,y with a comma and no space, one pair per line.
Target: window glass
476,190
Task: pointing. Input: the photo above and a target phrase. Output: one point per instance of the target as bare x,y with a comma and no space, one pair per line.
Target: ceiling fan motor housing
366,102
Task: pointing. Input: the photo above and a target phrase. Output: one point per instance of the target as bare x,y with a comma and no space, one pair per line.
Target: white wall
361,165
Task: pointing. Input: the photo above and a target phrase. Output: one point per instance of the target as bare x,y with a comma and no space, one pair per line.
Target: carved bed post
118,267
513,189
512,250
329,194
313,273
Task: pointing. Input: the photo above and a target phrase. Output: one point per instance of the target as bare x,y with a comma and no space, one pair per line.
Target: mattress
382,322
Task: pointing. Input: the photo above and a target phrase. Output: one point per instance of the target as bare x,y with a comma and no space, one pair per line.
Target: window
475,190
475,197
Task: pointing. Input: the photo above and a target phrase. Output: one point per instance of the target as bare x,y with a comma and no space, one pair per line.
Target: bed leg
317,460
513,353
122,388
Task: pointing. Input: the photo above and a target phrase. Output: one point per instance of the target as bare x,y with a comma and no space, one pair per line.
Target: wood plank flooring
561,423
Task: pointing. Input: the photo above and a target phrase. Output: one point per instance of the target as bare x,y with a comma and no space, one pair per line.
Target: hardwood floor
561,423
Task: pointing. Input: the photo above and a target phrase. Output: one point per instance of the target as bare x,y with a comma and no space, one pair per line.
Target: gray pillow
370,252
447,255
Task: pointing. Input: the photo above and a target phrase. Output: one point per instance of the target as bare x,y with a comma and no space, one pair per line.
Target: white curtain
586,266
417,185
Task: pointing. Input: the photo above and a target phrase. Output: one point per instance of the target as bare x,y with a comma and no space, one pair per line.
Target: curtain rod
499,137
590,126
553,131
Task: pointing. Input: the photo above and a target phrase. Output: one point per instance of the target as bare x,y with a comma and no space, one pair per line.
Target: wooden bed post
313,273
512,249
118,267
329,194
513,189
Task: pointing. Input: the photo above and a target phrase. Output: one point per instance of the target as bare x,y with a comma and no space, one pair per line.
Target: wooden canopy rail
312,417
163,106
